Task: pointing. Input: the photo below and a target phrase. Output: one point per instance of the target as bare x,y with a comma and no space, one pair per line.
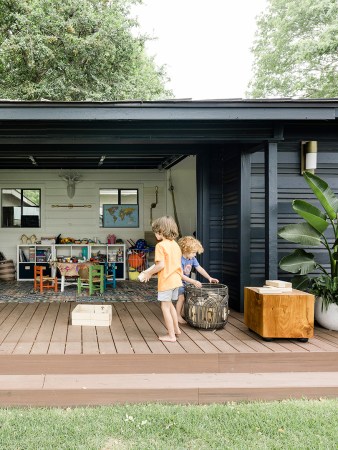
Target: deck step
195,388
173,363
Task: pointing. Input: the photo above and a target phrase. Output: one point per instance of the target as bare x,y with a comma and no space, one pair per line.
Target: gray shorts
167,296
181,290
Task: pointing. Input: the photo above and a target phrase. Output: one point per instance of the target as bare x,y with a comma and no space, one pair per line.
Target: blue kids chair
109,274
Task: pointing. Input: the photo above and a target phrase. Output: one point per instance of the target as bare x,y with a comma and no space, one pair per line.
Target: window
117,196
20,208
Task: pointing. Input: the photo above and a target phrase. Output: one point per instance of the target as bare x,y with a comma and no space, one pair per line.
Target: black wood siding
219,183
231,210
291,185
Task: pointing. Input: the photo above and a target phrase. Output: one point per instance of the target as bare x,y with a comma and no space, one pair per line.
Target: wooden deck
44,360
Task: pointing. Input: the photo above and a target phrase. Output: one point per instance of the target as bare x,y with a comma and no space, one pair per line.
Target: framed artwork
120,216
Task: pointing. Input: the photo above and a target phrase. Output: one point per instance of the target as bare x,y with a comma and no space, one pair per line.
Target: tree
75,50
296,50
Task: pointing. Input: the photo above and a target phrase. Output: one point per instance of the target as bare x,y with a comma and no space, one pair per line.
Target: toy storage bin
133,274
137,262
92,315
206,307
7,270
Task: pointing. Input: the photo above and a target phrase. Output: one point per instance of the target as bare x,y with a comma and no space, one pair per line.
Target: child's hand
197,284
213,280
146,277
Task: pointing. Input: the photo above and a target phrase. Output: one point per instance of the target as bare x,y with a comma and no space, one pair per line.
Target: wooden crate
92,315
282,315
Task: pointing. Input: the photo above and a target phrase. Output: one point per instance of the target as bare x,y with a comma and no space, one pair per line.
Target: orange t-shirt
170,277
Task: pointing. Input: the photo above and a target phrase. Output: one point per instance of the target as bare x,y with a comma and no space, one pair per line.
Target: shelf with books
29,255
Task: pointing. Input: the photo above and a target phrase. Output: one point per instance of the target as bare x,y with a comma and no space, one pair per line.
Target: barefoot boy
190,247
168,268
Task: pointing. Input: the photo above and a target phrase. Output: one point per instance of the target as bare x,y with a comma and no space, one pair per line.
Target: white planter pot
327,318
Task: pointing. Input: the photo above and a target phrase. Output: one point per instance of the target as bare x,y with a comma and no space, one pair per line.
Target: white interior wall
183,177
81,222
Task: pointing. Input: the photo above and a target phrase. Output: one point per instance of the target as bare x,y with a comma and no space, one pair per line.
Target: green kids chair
95,280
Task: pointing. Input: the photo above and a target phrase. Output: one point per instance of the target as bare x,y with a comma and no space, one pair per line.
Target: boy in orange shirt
169,270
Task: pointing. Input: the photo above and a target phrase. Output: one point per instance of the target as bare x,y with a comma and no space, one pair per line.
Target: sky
205,44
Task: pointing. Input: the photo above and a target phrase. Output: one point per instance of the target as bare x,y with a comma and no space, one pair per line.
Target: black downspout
244,236
271,212
203,206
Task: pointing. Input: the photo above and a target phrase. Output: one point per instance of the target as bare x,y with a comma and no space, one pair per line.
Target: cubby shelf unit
29,255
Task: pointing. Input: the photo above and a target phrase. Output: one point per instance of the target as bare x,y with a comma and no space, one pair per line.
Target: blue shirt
187,265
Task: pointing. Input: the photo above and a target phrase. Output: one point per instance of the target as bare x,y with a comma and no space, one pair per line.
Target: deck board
25,343
159,328
41,344
121,339
137,341
74,337
45,328
11,317
59,335
105,341
189,340
145,329
89,341
6,311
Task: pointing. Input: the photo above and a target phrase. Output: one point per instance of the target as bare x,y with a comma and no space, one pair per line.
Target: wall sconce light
308,156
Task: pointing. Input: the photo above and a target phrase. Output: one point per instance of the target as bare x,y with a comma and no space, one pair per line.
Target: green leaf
325,195
299,262
311,214
301,282
76,50
295,50
301,233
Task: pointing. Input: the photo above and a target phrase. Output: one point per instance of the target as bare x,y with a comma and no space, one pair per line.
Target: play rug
126,291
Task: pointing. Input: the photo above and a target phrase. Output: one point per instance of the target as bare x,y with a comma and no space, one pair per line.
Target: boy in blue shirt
190,247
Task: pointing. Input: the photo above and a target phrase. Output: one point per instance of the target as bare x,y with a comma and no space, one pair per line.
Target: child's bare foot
178,332
167,338
181,320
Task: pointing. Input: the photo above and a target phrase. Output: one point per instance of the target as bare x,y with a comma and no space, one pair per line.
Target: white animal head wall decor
72,177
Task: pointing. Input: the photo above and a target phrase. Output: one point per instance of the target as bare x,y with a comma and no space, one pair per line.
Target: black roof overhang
135,135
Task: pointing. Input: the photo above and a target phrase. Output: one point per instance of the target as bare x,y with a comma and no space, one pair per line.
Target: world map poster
120,216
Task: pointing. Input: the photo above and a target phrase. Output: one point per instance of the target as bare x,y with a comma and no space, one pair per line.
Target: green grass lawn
294,425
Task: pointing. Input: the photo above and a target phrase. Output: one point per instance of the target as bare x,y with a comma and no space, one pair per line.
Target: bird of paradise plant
320,229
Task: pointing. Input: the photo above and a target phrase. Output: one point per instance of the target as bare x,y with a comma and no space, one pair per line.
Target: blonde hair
189,244
166,226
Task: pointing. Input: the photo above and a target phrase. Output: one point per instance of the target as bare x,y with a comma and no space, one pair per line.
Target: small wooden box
92,315
282,315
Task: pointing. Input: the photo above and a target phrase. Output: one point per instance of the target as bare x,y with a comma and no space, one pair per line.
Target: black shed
248,163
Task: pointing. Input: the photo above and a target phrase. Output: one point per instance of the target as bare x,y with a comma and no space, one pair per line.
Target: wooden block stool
282,315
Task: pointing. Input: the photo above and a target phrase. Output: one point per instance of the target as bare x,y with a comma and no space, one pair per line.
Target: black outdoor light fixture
308,156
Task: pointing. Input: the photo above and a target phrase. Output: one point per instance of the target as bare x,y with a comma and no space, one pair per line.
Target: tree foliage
75,50
296,50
